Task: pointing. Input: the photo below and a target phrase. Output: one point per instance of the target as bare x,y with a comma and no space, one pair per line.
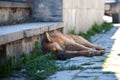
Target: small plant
40,67
104,27
72,31
7,67
37,65
85,35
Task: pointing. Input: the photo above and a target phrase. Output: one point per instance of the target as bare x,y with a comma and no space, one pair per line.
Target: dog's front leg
87,53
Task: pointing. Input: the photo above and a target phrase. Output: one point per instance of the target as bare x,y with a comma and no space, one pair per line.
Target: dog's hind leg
76,47
81,40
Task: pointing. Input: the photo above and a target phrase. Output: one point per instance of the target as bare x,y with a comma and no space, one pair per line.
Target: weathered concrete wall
47,10
21,41
13,12
13,16
81,14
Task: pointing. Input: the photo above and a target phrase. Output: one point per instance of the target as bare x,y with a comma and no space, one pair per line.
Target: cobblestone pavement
105,67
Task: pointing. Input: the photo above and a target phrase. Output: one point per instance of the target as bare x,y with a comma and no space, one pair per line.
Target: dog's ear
48,38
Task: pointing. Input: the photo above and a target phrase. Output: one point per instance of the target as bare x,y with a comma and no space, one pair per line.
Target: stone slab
13,4
66,75
16,32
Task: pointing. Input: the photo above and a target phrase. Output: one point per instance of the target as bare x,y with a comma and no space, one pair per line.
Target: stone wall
80,15
20,39
13,12
47,10
13,16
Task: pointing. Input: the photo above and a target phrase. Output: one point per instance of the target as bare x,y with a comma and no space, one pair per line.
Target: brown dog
67,46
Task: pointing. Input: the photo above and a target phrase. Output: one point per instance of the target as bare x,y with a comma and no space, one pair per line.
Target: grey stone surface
80,15
16,40
47,10
11,37
13,4
16,32
13,15
87,78
106,67
88,74
66,75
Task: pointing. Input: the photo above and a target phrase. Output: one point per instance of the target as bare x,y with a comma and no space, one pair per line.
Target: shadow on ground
94,68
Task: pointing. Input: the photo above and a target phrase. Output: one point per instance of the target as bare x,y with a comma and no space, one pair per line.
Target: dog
67,46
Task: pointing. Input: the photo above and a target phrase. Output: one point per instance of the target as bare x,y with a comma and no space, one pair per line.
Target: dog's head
49,44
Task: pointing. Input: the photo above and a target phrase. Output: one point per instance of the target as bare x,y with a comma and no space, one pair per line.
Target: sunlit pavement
105,67
112,63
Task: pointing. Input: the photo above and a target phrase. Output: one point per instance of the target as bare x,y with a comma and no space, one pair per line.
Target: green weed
6,68
37,65
96,28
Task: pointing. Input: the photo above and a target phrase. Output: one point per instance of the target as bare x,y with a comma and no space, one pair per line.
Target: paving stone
16,32
66,75
96,59
108,77
80,58
83,74
93,71
75,62
87,78
98,67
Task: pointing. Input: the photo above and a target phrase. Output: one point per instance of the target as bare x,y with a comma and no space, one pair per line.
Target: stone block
14,49
82,14
55,26
47,10
37,31
67,4
13,15
99,4
68,19
76,4
90,4
11,37
20,39
28,43
13,4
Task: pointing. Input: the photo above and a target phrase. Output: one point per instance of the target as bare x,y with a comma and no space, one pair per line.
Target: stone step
16,32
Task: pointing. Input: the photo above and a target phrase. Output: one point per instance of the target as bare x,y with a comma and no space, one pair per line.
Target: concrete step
16,32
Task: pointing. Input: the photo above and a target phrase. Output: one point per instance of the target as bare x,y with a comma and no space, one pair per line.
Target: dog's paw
99,53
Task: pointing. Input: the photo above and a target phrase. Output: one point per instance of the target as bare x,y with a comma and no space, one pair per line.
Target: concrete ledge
14,4
17,32
11,37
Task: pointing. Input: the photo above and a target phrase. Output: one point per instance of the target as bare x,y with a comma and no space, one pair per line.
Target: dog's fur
67,46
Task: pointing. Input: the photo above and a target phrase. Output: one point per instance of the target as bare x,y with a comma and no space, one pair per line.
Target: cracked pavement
106,67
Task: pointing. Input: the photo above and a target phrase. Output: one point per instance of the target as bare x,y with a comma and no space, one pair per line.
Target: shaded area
91,68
